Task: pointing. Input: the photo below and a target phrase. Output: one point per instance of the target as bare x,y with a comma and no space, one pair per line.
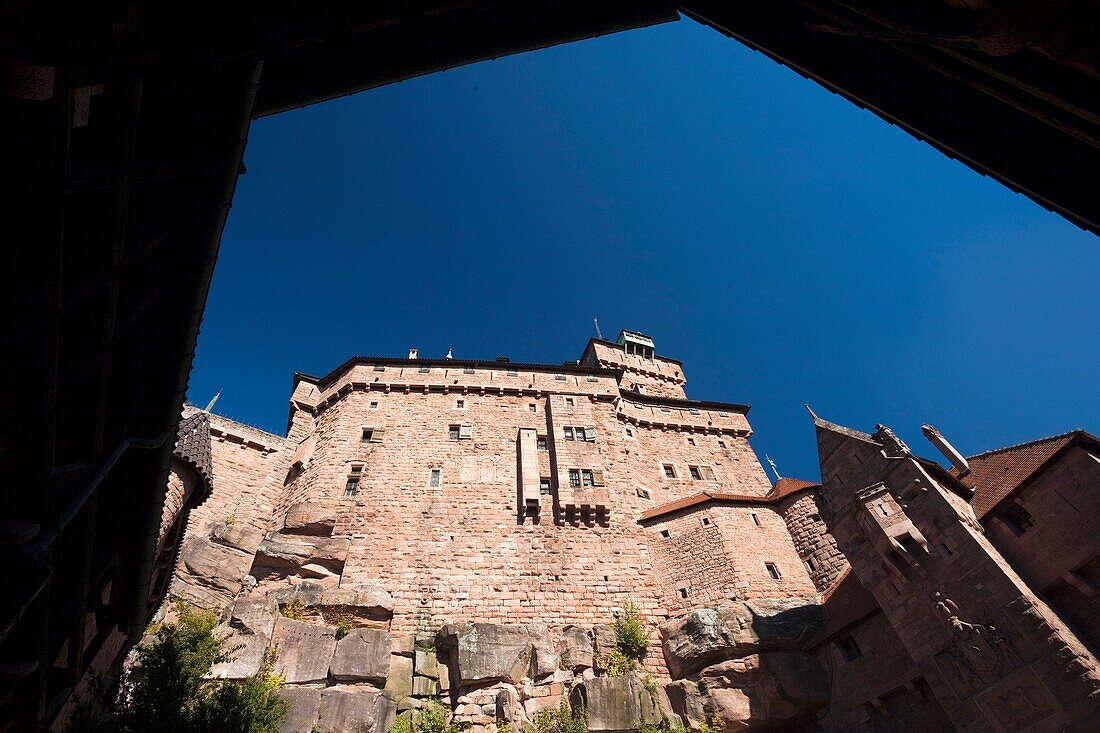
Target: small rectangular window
452,432
574,477
773,570
691,441
721,444
593,379
568,401
374,405
589,434
1018,519
815,517
811,564
683,592
544,486
756,519
695,475
670,472
513,373
723,414
467,370
356,469
540,442
586,478
708,472
666,409
849,649
559,377
642,492
694,410
531,407
568,433
629,433
352,486
666,533
465,432
434,477
379,368
460,404
706,521
424,370
368,433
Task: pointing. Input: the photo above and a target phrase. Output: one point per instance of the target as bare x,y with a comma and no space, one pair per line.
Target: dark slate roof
193,446
996,474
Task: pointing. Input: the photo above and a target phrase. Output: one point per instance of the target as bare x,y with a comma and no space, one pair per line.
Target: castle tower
994,654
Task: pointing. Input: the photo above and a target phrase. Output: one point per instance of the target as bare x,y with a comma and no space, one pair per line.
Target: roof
782,489
996,474
651,399
193,447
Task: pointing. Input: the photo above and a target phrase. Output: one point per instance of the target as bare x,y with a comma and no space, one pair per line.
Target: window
559,377
568,433
434,477
544,486
666,533
586,477
574,477
467,370
849,649
756,519
372,435
379,368
721,444
670,472
706,521
532,407
352,486
643,492
1018,519
465,432
367,435
374,405
452,432
586,434
356,469
695,475
694,410
568,401
773,570
460,404
815,517
593,379
424,370
666,409
811,564
629,433
683,592
513,373
723,414
691,441
540,442
708,472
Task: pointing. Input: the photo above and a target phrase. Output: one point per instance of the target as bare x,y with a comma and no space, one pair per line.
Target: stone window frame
849,648
542,443
567,432
435,478
691,441
773,570
532,407
682,591
351,486
574,477
373,405
371,434
668,471
545,488
756,519
643,493
701,472
706,521
587,479
460,403
568,401
721,443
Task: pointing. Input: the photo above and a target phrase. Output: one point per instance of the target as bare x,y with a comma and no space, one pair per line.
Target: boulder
308,593
304,651
248,634
294,553
348,709
309,518
214,565
603,641
687,701
426,664
486,652
399,682
613,703
710,635
385,714
766,690
575,648
362,656
305,706
508,708
243,536
425,687
368,601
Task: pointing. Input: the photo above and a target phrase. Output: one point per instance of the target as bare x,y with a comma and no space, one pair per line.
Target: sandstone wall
815,545
657,376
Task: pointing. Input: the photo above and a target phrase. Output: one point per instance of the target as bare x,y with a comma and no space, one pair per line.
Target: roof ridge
1026,444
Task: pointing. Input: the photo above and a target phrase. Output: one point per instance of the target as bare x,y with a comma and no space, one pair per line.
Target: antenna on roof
213,400
449,354
772,464
599,334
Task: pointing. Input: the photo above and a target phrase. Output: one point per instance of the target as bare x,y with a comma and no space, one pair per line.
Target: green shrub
164,689
561,720
431,718
631,637
295,610
616,664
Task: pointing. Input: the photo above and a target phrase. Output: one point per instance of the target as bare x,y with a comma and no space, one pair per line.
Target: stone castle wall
815,545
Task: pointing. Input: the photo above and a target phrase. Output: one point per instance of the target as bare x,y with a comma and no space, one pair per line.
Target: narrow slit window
756,519
351,488
773,570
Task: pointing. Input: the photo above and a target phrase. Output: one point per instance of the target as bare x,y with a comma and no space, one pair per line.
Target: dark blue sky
787,246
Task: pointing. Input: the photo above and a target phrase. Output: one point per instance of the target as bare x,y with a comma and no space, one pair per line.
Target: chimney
948,450
414,353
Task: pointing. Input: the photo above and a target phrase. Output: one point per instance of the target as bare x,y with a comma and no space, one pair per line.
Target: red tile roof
996,474
782,489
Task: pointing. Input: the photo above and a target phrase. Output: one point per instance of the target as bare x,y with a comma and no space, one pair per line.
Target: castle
467,531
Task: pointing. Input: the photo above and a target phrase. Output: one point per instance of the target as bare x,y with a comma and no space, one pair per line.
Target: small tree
561,720
631,637
166,689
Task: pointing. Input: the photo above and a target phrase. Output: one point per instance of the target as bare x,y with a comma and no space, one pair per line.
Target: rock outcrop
765,690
